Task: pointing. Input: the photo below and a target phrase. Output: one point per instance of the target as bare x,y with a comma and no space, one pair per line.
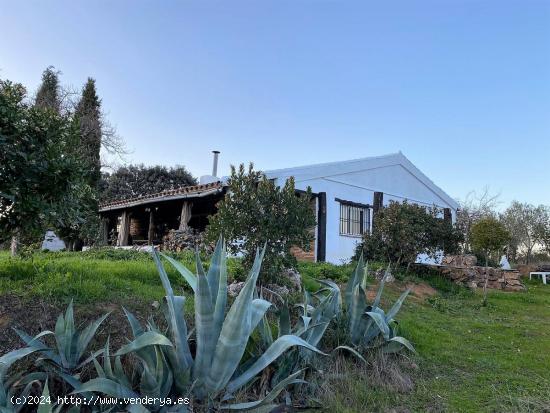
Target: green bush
324,270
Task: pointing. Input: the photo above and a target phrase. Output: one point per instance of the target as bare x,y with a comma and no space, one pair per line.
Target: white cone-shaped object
504,264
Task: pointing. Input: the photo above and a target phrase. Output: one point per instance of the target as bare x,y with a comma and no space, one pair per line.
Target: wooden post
151,229
377,205
321,226
185,215
124,229
447,215
105,231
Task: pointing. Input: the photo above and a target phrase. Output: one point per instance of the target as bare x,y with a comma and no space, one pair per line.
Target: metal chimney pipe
215,164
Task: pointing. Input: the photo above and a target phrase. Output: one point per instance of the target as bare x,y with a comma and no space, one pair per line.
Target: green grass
470,358
86,277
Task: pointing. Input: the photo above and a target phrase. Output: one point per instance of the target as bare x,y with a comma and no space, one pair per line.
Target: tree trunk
151,229
124,229
185,215
486,280
15,239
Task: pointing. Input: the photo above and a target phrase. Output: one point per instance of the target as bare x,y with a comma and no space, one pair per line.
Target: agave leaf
376,302
354,281
182,269
380,322
284,319
278,347
396,344
235,333
86,336
107,360
213,274
397,305
204,324
107,386
350,350
89,359
258,307
176,320
221,291
271,396
45,405
265,331
134,323
357,308
149,338
64,335
9,358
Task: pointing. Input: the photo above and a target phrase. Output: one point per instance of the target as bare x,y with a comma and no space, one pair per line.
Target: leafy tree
404,230
488,235
37,171
255,211
475,206
48,96
88,116
135,180
522,221
542,230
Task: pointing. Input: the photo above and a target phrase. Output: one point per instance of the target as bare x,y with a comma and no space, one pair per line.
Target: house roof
308,172
191,191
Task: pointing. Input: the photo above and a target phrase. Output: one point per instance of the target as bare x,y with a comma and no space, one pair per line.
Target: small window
354,219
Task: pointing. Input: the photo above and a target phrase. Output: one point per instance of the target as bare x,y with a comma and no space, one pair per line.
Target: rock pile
466,260
179,240
474,277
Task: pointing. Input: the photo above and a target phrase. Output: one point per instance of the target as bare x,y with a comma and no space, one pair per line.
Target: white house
348,192
346,196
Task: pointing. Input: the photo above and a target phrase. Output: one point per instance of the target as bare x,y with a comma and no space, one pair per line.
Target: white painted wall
395,181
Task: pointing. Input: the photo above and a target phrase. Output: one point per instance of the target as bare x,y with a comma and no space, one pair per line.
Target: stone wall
474,277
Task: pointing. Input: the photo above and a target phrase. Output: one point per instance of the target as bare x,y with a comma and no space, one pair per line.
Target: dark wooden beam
377,205
447,215
355,204
321,226
124,229
151,228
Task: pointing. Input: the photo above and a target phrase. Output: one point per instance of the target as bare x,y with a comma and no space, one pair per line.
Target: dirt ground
34,316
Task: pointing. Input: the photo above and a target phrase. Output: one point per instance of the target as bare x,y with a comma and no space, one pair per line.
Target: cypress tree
47,96
88,114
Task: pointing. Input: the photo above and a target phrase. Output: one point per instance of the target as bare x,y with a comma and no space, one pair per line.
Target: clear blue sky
461,87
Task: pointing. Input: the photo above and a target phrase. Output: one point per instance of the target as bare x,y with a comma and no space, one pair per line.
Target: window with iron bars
354,219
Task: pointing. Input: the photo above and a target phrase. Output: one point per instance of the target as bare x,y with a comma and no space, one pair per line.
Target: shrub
402,231
255,211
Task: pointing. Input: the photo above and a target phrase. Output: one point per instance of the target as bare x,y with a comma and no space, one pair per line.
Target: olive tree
404,230
256,211
488,235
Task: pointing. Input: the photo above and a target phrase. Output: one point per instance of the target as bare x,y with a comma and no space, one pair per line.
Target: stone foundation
474,277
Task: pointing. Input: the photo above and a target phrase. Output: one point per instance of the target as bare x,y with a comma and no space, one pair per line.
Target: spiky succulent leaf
183,270
149,338
270,397
397,305
278,347
176,320
234,335
396,344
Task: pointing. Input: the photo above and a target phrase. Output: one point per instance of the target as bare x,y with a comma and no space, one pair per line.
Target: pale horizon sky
461,87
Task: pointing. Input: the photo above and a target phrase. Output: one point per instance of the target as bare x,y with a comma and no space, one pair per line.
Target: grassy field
470,358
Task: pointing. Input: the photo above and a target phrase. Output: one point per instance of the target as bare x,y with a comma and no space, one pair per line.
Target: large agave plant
18,385
318,310
369,322
169,367
69,354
